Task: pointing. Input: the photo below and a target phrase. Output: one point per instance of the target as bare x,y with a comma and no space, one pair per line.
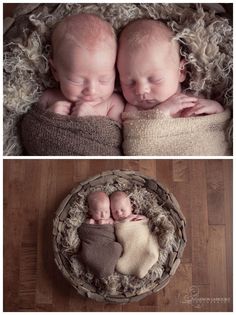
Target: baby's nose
118,213
142,88
90,89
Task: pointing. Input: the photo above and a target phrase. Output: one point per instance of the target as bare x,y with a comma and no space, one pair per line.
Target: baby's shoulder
117,99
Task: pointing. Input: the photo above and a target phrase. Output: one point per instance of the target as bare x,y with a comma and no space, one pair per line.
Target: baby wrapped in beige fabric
160,119
140,247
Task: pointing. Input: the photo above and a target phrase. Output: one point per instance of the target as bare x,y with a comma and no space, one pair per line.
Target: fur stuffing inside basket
206,41
144,201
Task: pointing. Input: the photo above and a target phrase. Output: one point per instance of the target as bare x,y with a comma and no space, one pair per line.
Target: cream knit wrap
152,133
140,248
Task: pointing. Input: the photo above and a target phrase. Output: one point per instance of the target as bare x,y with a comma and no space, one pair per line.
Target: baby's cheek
108,90
128,94
71,92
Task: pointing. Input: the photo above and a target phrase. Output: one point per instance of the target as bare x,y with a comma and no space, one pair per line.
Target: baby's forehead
119,196
143,31
85,30
96,197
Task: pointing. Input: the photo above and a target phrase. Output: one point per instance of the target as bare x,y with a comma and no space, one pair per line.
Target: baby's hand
106,221
203,107
80,110
90,221
176,103
60,107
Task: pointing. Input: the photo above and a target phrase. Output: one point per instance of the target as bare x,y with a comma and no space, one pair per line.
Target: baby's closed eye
128,82
155,80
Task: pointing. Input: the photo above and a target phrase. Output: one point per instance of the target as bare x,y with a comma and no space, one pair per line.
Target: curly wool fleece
205,38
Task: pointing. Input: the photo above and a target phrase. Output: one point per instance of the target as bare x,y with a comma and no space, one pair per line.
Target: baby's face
100,210
86,75
120,208
149,75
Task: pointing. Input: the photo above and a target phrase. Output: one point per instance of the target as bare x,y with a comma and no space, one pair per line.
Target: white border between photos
104,157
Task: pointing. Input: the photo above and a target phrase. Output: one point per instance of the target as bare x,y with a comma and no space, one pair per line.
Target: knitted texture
98,250
46,133
140,248
152,133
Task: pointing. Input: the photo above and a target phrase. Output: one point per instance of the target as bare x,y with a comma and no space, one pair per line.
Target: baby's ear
54,70
182,70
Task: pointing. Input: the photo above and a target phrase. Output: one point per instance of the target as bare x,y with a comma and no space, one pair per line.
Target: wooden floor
34,188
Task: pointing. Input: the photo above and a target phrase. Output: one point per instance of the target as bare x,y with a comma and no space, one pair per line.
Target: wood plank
215,191
28,250
164,170
45,263
217,263
13,179
11,265
181,174
198,195
181,170
81,170
131,164
148,168
172,297
77,303
228,208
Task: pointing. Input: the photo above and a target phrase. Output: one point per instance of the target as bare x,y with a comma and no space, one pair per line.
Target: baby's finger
186,104
188,112
186,98
201,111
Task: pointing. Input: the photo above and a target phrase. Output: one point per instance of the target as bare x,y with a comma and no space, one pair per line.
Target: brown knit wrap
47,133
99,252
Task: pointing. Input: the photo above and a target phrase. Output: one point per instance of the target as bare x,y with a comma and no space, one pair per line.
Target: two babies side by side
85,53
139,248
101,207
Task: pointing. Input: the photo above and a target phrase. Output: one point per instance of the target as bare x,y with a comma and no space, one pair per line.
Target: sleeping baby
151,72
99,252
83,63
140,247
159,118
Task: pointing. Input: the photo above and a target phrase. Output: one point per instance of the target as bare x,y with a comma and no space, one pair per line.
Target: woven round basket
148,197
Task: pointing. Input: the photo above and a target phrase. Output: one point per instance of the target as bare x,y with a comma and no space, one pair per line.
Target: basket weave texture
72,212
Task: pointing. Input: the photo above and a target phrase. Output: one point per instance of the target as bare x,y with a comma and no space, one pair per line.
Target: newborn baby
151,71
99,252
140,247
99,208
83,63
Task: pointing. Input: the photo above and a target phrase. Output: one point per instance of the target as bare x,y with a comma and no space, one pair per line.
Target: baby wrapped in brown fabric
99,252
140,247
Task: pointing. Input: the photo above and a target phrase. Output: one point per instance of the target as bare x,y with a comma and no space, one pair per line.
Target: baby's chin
89,100
148,104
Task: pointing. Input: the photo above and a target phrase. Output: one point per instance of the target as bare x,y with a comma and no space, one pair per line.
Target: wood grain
33,190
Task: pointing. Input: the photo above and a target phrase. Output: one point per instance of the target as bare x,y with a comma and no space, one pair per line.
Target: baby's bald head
84,30
97,197
143,32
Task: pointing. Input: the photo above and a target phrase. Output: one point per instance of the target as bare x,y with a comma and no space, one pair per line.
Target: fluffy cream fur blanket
152,133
